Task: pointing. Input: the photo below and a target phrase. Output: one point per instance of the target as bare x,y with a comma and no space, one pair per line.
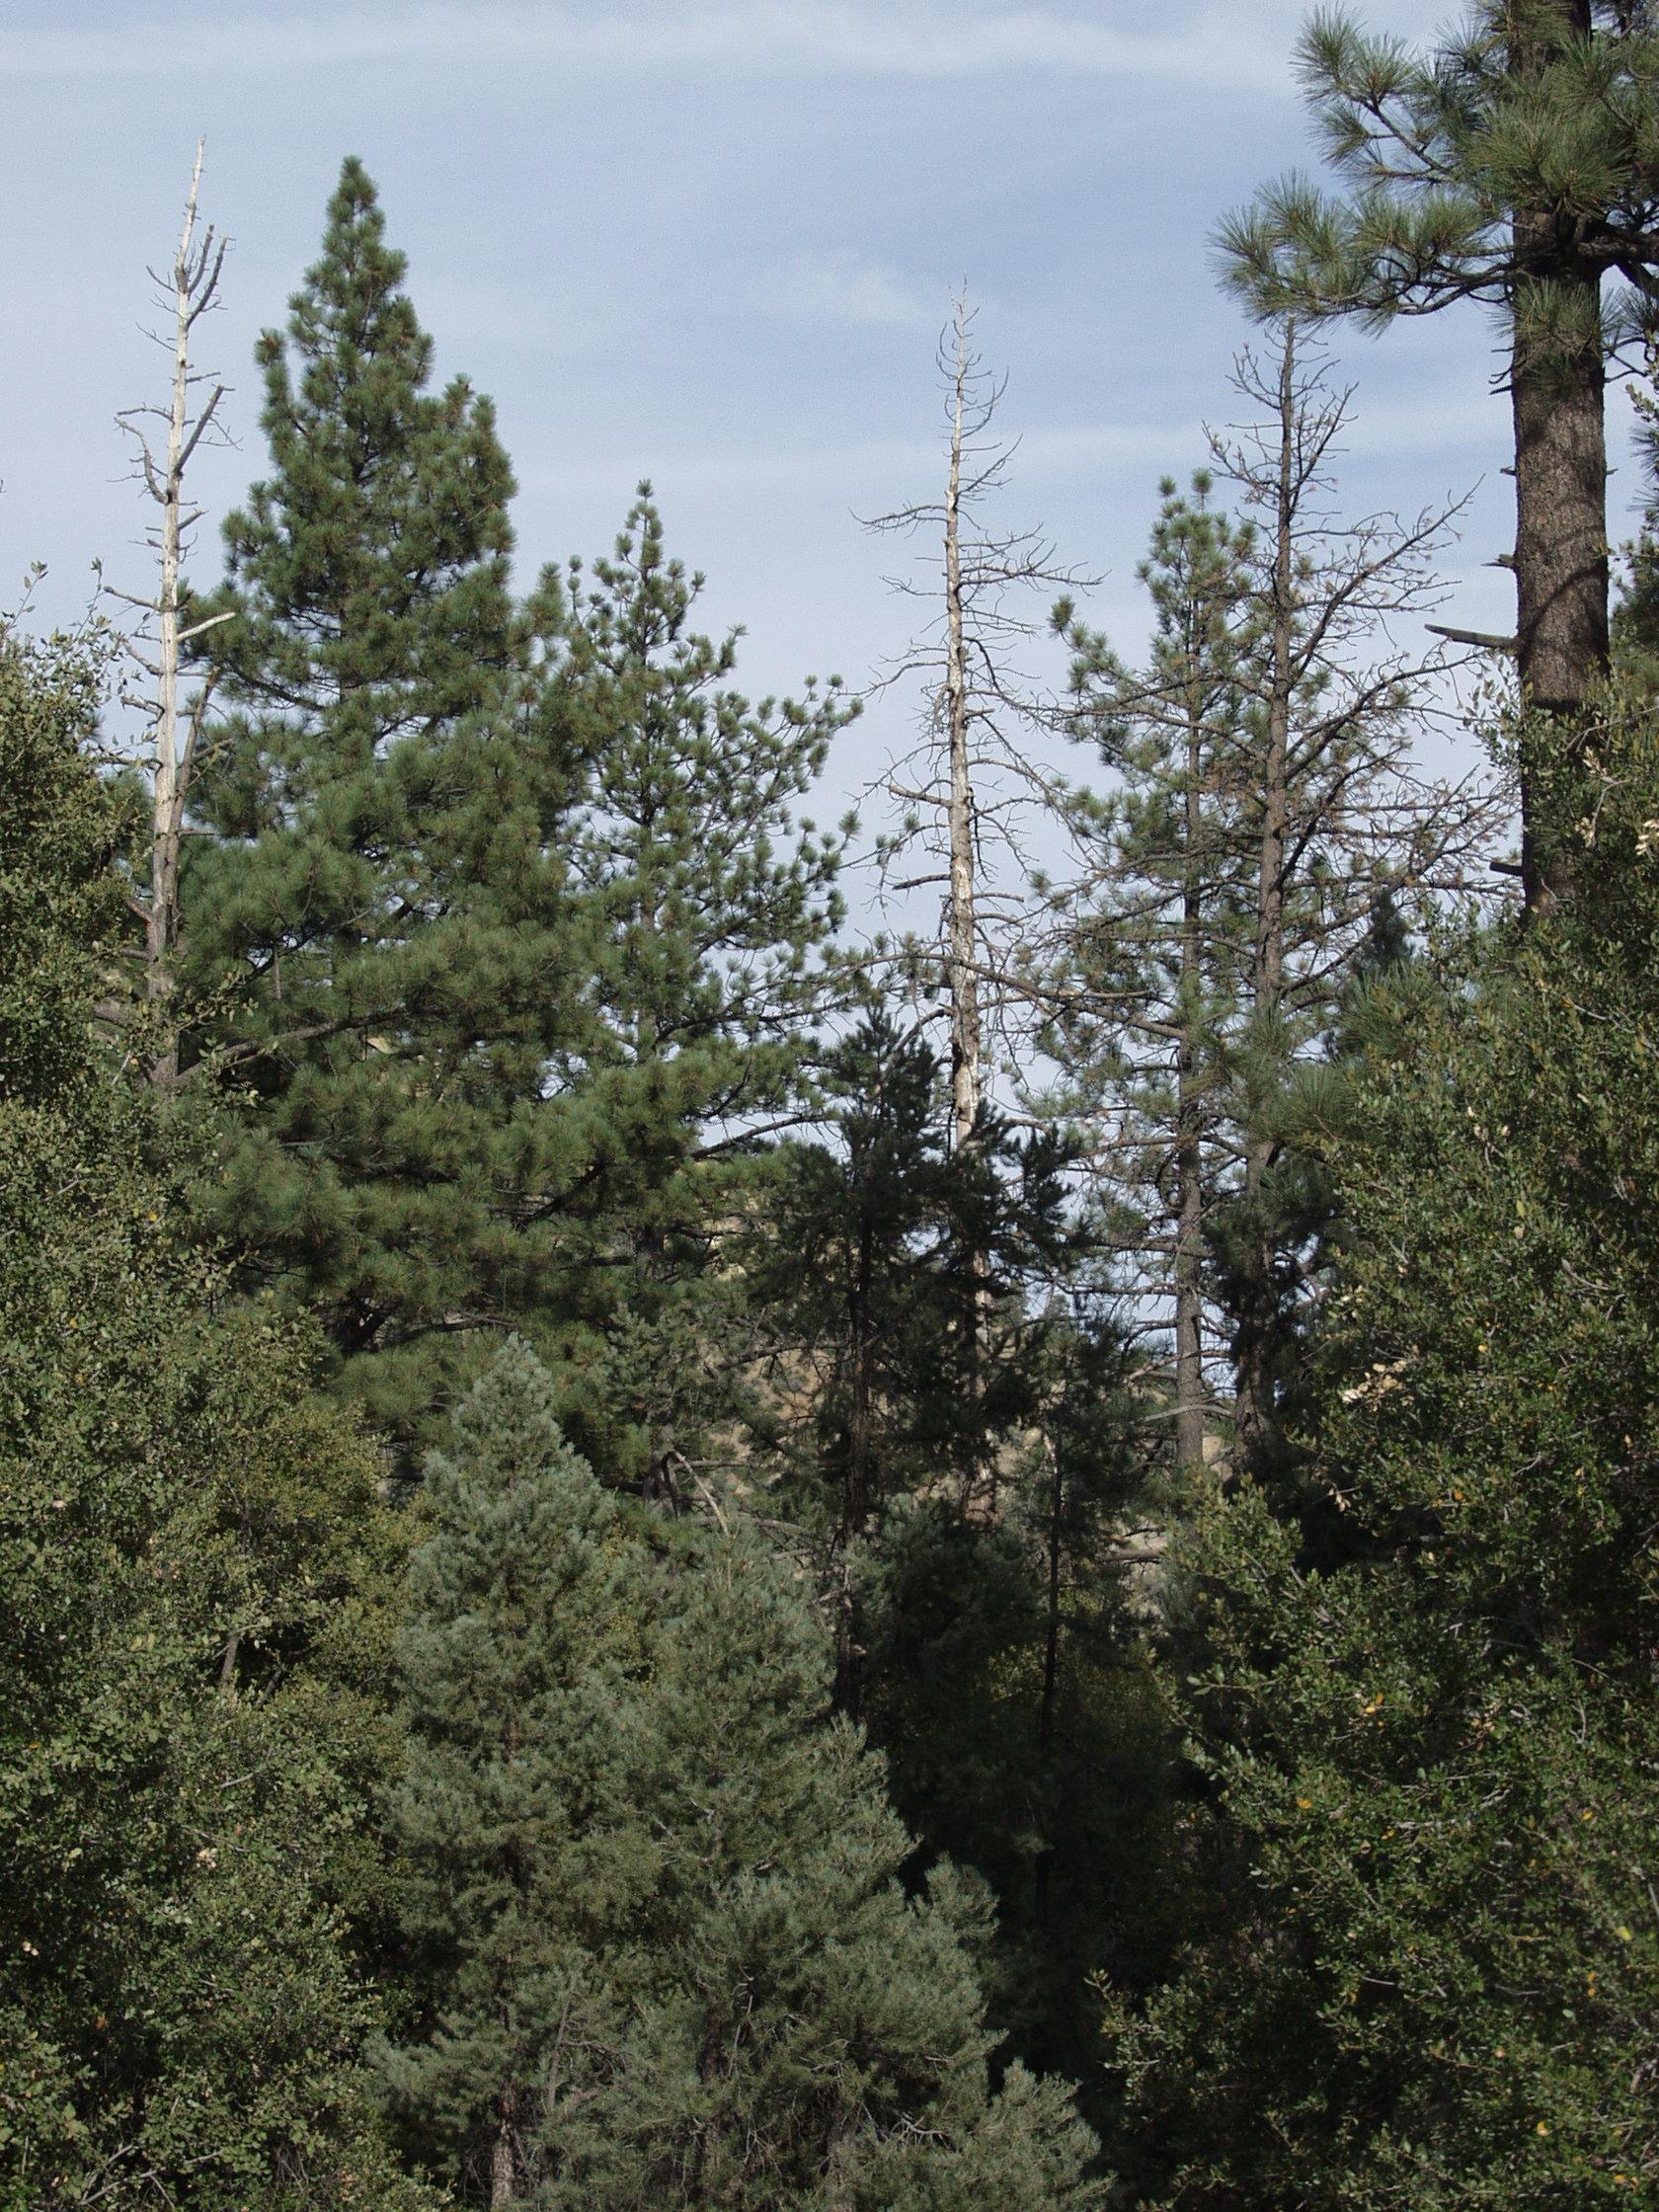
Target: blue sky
710,241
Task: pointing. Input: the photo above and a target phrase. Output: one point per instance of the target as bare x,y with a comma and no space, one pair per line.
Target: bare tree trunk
1254,1379
1189,1128
964,983
962,933
162,933
977,776
1269,978
190,289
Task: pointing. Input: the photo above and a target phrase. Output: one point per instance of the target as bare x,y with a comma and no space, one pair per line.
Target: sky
710,242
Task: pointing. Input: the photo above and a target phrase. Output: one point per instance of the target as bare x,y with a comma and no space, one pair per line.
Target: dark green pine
376,946
986,1653
710,910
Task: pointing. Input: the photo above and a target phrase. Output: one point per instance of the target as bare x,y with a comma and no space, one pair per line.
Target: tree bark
964,984
1189,1126
504,2162
1560,573
1559,402
1189,1268
1253,1408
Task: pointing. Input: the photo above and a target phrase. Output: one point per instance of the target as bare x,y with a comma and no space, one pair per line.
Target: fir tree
376,943
527,1854
672,1963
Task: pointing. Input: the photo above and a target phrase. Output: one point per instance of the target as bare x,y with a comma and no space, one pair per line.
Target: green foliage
981,1630
1545,107
377,945
715,1859
710,913
672,1965
1427,1742
60,897
193,1560
1153,957
856,1259
1156,944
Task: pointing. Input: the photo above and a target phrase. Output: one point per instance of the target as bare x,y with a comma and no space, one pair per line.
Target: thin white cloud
892,470
464,308
843,286
1216,43
887,470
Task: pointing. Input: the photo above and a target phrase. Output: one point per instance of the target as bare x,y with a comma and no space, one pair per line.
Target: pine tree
989,1655
710,912
1513,165
1268,800
879,1377
674,1966
1151,966
376,943
857,1376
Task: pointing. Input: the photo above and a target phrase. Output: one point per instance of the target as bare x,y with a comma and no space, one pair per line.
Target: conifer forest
676,1534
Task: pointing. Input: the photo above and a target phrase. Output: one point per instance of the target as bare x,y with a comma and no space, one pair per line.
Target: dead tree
187,291
1264,799
1335,811
975,776
971,782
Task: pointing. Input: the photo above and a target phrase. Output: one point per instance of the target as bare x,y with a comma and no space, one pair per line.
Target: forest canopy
664,1544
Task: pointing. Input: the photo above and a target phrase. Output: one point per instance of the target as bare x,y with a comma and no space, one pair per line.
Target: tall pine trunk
1558,397
504,2163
